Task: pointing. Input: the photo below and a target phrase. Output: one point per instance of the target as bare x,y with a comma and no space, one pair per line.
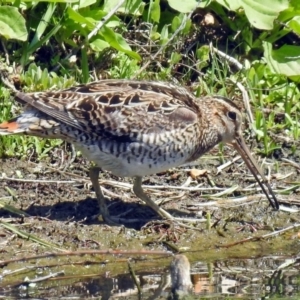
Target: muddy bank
55,209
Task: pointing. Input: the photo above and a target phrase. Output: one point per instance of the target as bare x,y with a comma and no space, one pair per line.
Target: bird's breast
135,158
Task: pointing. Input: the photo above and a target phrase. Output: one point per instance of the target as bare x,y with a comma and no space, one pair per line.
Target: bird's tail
11,127
31,122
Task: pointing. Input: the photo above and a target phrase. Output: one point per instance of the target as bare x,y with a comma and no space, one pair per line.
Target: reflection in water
180,276
267,277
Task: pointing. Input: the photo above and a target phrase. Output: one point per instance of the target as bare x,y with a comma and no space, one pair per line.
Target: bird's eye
231,115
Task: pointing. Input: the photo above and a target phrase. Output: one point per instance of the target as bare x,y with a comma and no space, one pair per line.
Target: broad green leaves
294,24
155,10
71,23
188,6
35,2
99,45
87,20
183,6
12,24
285,60
261,14
133,7
118,42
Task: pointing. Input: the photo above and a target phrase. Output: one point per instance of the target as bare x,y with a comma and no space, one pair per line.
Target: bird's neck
206,137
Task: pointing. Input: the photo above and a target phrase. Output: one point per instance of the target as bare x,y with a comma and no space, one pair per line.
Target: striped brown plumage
134,128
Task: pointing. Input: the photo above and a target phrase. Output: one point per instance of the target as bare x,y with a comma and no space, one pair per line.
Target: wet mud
55,210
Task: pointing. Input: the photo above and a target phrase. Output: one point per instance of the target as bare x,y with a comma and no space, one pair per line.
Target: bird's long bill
243,150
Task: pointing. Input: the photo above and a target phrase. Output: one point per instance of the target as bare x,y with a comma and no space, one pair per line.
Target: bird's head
228,121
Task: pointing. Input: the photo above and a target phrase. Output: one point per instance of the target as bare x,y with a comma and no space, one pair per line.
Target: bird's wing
117,107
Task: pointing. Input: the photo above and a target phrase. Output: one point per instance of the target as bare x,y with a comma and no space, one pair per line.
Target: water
268,277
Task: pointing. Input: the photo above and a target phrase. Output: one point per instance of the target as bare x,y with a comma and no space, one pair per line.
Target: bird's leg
138,190
94,176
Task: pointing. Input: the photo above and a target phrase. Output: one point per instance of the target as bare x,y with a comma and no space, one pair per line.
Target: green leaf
118,42
77,17
134,7
285,60
187,26
186,7
295,24
288,14
261,14
29,49
95,15
89,18
155,10
176,22
203,56
45,20
98,45
295,4
164,36
12,24
84,65
231,5
54,1
85,3
175,58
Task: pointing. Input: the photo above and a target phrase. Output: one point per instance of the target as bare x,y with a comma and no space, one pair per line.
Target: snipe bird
134,129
